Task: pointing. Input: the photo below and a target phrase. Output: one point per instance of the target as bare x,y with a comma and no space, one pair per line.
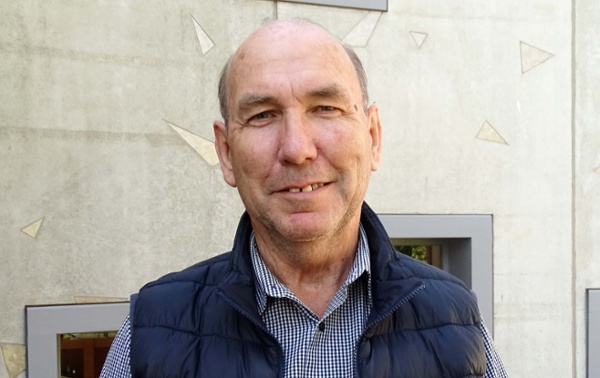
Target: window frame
593,332
45,322
375,5
470,240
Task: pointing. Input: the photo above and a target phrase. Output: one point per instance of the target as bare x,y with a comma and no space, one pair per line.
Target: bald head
286,33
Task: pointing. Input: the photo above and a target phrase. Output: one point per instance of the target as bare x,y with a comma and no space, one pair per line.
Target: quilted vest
204,321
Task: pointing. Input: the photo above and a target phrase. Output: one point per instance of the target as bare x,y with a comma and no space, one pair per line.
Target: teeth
307,188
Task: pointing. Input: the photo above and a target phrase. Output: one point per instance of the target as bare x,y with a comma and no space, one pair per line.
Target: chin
303,236
310,231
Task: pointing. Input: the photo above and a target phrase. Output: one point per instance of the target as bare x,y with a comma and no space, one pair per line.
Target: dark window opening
83,354
429,253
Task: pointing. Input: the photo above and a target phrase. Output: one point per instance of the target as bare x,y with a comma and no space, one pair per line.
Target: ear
223,150
375,131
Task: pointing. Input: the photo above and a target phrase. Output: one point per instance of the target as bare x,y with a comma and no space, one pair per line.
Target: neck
314,271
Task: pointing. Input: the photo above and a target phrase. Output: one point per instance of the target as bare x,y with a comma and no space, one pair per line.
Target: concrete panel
586,160
434,101
86,90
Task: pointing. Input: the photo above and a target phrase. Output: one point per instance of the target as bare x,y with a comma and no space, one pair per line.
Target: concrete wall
586,167
105,142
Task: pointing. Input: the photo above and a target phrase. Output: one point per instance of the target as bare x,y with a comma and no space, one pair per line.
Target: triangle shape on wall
205,42
33,229
203,147
488,133
359,36
419,38
14,358
532,57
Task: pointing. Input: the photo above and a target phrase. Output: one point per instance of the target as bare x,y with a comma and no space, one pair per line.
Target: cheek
251,157
348,145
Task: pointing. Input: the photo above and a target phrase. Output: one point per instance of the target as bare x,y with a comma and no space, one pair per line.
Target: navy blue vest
204,321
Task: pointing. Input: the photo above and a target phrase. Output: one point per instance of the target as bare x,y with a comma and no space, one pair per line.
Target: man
312,287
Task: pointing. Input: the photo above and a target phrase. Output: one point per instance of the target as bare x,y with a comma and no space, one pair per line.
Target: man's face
299,144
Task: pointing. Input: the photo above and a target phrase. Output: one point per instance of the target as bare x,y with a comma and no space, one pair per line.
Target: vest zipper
400,303
256,323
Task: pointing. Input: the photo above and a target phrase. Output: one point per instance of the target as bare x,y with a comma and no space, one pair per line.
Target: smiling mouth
307,188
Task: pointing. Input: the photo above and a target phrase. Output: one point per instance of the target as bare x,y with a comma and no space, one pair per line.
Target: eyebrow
250,100
253,99
330,91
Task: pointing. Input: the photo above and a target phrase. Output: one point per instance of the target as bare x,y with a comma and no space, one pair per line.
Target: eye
260,116
327,111
326,108
261,119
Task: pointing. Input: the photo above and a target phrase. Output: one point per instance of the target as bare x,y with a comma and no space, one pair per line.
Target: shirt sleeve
117,360
494,367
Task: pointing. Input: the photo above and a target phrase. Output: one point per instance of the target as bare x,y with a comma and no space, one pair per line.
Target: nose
296,140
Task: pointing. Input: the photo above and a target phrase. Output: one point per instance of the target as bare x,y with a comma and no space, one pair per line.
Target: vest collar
392,283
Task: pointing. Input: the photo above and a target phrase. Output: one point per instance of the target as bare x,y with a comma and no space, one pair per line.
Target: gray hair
358,67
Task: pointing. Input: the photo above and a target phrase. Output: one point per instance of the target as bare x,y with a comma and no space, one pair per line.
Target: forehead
296,58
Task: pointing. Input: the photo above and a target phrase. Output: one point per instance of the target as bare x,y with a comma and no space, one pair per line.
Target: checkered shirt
312,347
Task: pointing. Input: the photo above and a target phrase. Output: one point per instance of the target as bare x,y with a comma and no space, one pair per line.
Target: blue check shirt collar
267,285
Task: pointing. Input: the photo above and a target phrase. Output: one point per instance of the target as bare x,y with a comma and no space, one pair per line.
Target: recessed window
593,332
458,244
71,340
379,5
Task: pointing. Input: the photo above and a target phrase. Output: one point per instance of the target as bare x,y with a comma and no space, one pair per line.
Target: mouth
307,188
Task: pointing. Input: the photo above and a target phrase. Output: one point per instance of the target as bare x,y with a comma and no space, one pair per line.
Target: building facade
108,177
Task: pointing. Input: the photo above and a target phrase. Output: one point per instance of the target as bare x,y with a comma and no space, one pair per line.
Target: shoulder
440,289
423,297
175,289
